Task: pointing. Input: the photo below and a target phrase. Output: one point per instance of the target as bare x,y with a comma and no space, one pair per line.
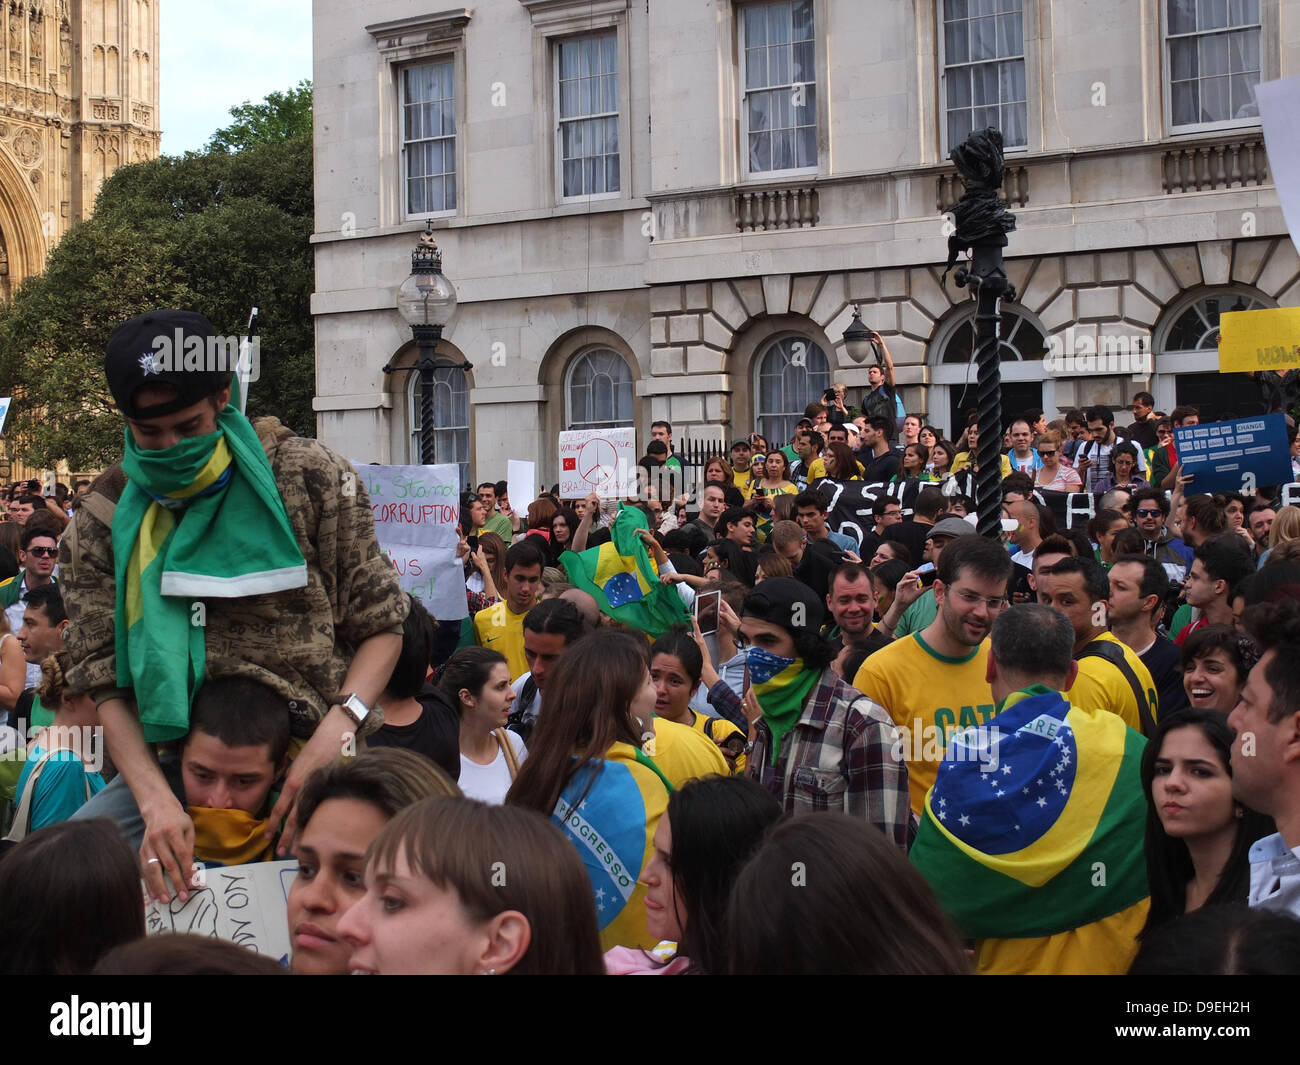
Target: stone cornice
544,11
413,32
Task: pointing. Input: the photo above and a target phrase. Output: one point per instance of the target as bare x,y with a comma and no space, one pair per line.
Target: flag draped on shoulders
1035,823
622,578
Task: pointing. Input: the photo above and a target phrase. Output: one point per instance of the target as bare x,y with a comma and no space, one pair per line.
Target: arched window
953,375
789,374
450,418
1197,326
1019,339
1187,358
598,391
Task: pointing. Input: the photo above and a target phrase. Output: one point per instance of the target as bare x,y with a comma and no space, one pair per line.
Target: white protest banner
1281,121
598,460
245,904
521,484
416,510
4,412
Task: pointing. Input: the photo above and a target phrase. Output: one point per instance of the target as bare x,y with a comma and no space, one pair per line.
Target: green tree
280,117
218,233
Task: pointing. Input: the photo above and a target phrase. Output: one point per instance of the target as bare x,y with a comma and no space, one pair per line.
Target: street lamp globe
426,298
857,339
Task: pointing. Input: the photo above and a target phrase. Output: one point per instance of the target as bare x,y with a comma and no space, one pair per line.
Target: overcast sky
217,54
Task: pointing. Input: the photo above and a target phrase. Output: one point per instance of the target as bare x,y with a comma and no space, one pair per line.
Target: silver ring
152,860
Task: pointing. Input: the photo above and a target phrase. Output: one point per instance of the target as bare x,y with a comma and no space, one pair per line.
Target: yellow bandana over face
228,837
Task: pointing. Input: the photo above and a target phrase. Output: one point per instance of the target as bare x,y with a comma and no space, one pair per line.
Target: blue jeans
116,803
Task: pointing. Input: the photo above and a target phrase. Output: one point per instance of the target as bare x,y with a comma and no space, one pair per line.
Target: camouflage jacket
299,642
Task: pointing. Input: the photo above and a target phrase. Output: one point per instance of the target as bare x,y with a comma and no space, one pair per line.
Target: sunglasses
1147,513
1046,454
44,552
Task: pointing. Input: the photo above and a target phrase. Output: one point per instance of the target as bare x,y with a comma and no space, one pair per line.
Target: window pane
803,20
755,27
1243,96
1243,51
778,24
982,7
608,63
1013,125
958,89
1010,35
1212,14
956,47
1243,12
954,9
1182,59
760,152
985,83
568,59
1185,109
807,146
1182,16
611,173
755,68
572,177
983,38
1213,55
779,65
759,106
1214,100
805,62
1011,81
958,127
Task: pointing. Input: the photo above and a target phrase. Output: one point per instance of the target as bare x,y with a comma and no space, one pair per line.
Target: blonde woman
13,667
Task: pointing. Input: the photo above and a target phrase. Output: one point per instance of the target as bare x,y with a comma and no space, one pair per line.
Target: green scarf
781,685
235,540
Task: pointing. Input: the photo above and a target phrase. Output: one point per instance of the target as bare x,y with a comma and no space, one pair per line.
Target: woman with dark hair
840,463
709,831
564,523
677,663
71,894
185,954
929,436
1198,837
476,680
1123,471
768,563
456,888
487,584
829,894
942,453
884,578
1216,662
891,551
776,476
1102,530
914,465
342,809
586,769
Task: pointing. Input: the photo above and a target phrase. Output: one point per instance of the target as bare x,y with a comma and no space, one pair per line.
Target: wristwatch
354,708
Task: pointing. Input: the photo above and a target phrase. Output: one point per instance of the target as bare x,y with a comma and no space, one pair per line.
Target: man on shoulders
1023,458
273,574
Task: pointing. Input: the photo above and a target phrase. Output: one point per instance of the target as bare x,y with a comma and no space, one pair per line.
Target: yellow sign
1266,339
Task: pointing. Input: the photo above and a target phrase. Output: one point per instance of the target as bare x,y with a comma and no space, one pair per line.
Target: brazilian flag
1036,820
624,582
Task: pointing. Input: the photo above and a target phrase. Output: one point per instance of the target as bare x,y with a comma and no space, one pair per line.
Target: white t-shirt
489,783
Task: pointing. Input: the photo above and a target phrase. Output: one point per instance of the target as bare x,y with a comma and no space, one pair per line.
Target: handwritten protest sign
416,512
598,460
245,904
521,484
1235,456
1264,339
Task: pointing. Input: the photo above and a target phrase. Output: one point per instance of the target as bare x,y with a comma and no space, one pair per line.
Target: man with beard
934,682
852,603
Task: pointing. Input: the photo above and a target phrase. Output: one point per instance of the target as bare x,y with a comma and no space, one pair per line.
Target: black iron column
426,339
982,223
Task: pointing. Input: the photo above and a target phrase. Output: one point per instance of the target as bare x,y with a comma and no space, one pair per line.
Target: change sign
1236,456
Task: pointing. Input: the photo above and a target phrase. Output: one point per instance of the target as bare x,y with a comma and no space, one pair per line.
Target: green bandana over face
781,685
201,519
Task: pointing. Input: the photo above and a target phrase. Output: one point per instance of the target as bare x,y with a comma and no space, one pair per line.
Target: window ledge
544,12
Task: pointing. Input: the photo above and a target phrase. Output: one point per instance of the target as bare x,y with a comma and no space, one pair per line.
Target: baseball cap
774,600
155,349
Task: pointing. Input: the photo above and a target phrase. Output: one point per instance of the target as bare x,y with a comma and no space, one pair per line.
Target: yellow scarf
228,837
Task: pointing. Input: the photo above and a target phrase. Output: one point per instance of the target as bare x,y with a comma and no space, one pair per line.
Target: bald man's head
586,604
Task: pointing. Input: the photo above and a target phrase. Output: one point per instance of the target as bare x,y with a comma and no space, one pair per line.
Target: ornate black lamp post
426,301
982,224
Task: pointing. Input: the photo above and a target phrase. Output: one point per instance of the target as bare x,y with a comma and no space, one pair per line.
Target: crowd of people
708,728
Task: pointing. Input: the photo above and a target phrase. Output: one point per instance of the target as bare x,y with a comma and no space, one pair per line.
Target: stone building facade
669,209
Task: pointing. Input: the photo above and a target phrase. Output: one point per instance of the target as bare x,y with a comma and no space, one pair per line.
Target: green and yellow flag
623,581
1036,821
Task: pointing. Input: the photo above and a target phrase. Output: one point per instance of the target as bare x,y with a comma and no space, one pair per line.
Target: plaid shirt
840,755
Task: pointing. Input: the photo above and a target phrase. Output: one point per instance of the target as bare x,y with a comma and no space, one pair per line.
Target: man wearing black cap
817,743
218,548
